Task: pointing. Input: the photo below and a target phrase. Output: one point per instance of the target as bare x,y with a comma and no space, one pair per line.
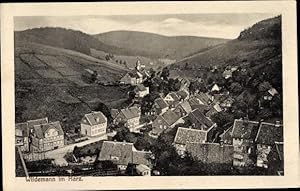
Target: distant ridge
156,45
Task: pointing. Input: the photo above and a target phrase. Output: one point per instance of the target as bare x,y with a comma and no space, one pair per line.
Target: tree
105,110
236,88
222,118
165,73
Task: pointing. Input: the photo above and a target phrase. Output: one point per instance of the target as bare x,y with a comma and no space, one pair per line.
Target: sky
206,25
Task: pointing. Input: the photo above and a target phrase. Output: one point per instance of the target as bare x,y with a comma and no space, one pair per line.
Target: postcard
149,95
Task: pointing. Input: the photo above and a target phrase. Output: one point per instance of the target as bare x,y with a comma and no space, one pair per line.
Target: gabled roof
211,152
198,117
185,106
245,129
273,91
183,94
117,152
269,133
215,88
122,153
23,129
204,98
170,117
174,96
41,129
188,135
95,118
131,112
34,122
161,103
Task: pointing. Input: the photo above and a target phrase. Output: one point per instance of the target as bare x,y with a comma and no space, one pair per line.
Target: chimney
97,119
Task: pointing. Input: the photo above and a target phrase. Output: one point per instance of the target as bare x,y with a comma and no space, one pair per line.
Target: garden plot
52,61
48,73
67,71
32,61
77,80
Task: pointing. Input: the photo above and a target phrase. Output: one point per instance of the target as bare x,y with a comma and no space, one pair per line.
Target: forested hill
65,38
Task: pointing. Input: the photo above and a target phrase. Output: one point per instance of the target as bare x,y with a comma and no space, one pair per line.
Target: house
196,103
204,98
211,152
130,116
22,136
93,124
122,154
268,134
24,132
47,136
213,110
141,91
215,88
172,99
132,78
188,135
184,83
143,170
183,94
159,106
243,134
201,122
183,109
165,121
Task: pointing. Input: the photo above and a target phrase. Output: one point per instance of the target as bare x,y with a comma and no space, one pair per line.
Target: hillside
65,38
257,46
157,46
50,82
264,36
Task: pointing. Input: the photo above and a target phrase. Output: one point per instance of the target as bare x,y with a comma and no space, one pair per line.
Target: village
189,123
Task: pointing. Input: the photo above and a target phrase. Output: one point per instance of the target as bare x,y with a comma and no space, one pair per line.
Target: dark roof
34,122
95,118
183,94
187,135
41,129
244,129
268,133
125,153
23,129
203,98
170,117
211,152
131,112
161,103
198,117
111,149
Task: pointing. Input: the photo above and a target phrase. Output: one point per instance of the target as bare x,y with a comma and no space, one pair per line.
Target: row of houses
39,135
246,143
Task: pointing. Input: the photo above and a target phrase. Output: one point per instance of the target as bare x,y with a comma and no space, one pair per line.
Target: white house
93,124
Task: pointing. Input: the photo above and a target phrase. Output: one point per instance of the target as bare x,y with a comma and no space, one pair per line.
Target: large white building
93,124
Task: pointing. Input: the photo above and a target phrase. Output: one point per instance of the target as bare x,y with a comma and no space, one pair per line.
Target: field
130,60
49,83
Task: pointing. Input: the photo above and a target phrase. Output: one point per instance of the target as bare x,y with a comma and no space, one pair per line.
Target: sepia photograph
148,95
